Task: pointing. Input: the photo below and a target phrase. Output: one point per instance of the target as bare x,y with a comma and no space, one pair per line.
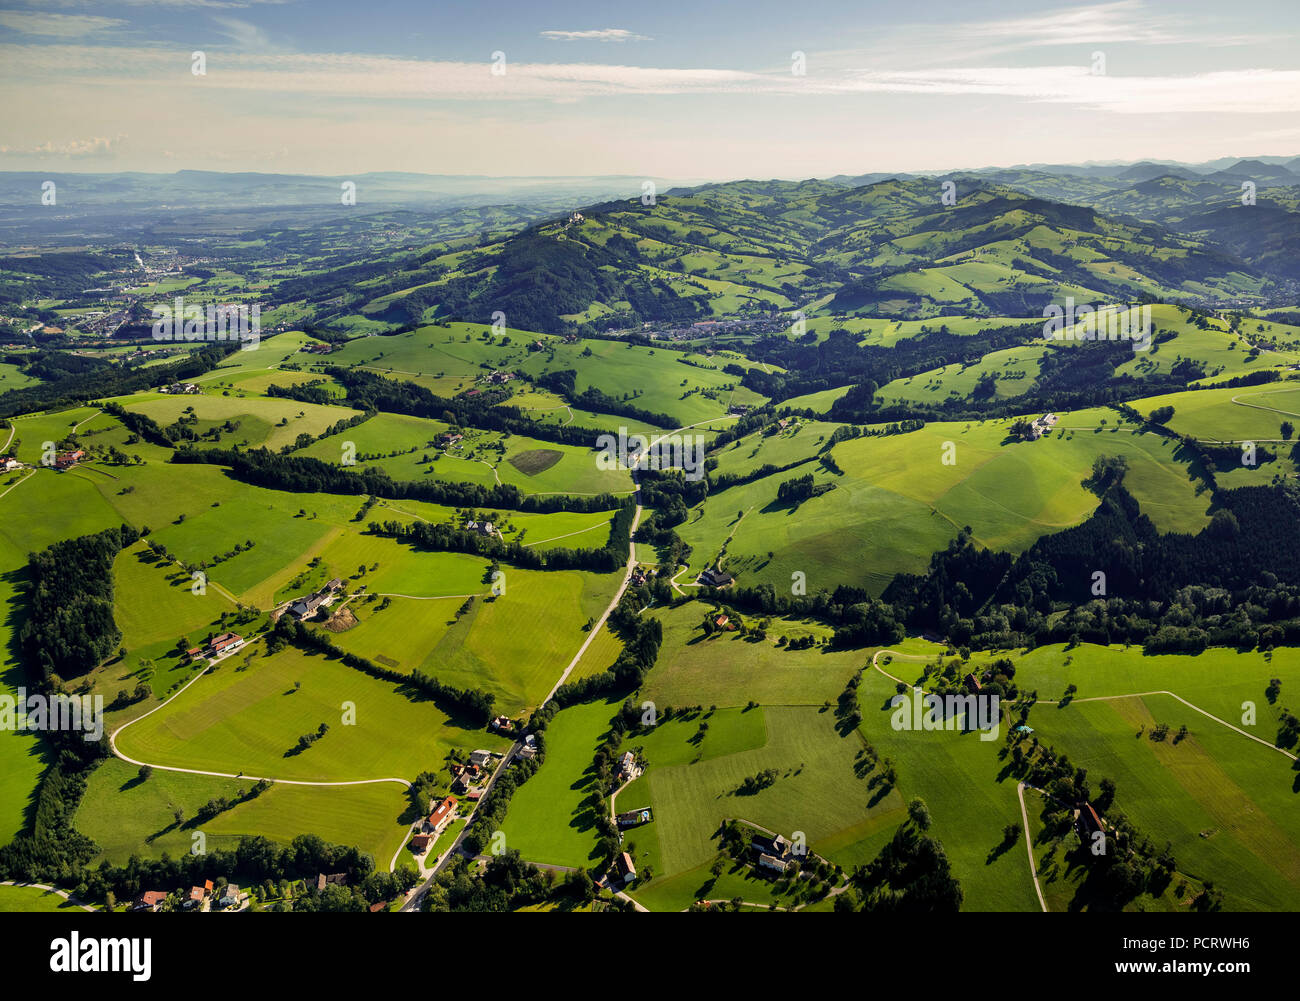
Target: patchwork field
897,501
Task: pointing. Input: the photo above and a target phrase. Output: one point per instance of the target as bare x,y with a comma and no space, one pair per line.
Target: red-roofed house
442,816
150,900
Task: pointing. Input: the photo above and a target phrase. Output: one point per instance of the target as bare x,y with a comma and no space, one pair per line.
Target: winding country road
415,897
413,900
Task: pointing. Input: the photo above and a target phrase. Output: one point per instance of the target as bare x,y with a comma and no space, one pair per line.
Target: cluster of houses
199,898
500,378
8,463
1042,425
465,778
715,578
318,349
529,750
66,460
486,528
306,608
449,438
180,388
217,647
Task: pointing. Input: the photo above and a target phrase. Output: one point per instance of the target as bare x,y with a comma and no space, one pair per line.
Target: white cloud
56,25
97,146
1119,22
379,78
597,35
245,35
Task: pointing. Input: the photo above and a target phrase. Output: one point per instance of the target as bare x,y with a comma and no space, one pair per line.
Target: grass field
514,646
126,816
971,798
406,449
898,501
1250,413
728,669
254,421
1225,802
551,816
29,900
249,721
693,789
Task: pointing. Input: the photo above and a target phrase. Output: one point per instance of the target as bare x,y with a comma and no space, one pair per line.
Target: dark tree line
450,539
302,474
70,627
467,704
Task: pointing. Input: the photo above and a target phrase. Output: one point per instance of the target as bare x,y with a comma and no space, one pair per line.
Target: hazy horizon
581,89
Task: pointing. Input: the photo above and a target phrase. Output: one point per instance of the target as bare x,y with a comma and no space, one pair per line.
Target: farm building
66,460
1088,821
634,818
333,879
226,643
442,816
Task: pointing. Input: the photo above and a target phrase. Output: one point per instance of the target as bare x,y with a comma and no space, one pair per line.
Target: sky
693,91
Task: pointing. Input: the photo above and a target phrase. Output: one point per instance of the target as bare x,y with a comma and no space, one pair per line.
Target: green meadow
513,645
897,501
30,900
551,816
247,720
1226,804
1250,413
971,798
727,669
126,815
693,787
255,421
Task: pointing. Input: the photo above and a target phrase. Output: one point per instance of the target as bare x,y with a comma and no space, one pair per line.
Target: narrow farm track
414,898
1020,786
29,475
1029,845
